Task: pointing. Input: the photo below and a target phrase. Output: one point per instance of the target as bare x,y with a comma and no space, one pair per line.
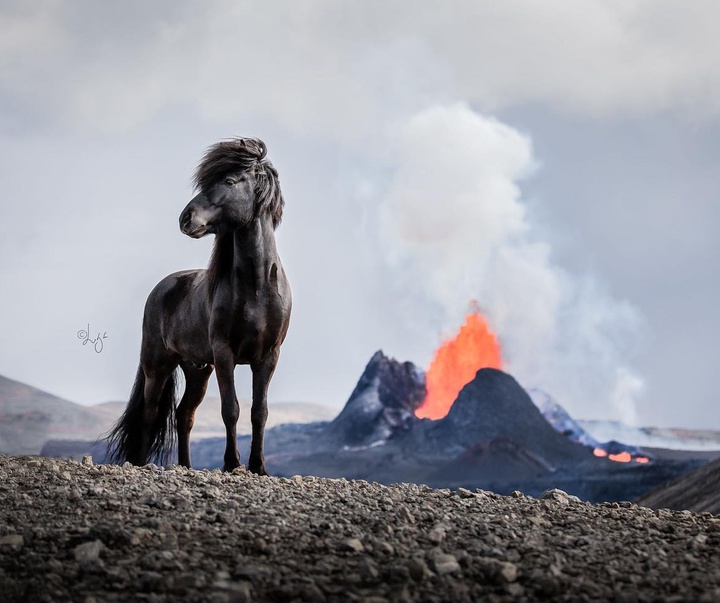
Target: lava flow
621,457
455,363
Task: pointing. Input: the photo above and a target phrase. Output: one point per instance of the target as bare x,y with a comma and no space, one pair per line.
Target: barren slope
71,532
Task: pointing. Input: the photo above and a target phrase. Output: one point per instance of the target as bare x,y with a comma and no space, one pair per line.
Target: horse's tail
125,439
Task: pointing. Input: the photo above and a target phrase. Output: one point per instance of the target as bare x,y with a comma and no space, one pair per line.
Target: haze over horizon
556,164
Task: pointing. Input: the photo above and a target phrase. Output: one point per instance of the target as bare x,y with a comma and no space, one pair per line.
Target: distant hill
29,417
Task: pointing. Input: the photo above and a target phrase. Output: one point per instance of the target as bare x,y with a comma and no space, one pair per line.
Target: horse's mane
243,154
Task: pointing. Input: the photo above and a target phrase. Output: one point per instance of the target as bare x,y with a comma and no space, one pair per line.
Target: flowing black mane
243,154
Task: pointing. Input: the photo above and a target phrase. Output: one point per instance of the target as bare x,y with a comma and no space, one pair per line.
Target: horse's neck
254,243
254,253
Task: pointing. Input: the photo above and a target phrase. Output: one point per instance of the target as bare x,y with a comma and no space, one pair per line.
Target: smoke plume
455,229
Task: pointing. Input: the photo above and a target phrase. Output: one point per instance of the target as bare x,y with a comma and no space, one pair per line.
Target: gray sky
555,162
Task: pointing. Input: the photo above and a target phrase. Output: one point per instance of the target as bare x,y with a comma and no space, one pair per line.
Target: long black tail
125,439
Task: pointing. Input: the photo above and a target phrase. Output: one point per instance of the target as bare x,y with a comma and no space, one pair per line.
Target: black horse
235,312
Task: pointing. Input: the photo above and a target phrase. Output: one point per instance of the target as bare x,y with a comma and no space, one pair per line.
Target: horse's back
175,288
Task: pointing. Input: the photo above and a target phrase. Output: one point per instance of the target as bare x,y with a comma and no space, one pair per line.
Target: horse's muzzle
191,225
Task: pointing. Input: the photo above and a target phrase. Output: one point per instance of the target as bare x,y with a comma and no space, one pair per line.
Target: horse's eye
230,181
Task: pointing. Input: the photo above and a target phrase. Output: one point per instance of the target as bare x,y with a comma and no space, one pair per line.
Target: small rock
464,493
437,535
508,572
88,551
297,479
149,498
385,547
443,563
405,515
502,572
12,540
311,592
517,494
87,461
368,569
224,517
351,544
515,590
418,569
557,495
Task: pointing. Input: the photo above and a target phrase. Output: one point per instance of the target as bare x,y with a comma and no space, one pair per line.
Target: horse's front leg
225,371
262,373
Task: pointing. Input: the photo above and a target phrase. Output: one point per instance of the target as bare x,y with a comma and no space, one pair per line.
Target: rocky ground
82,532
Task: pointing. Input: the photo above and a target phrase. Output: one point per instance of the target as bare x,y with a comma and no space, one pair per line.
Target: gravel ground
90,533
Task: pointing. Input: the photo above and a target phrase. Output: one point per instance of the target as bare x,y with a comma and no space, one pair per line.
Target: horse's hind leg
158,404
196,381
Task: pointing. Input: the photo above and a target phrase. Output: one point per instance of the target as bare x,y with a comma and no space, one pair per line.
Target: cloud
455,229
342,70
371,82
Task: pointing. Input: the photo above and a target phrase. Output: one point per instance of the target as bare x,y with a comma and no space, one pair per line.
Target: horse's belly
188,338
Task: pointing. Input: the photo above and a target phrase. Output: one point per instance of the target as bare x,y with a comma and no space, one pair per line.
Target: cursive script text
97,343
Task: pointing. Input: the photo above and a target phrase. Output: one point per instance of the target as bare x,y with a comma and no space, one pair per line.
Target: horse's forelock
237,154
243,154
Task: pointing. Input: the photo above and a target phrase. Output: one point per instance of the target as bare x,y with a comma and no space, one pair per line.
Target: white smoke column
454,227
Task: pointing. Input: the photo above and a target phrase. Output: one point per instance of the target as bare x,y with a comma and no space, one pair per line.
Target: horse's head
236,185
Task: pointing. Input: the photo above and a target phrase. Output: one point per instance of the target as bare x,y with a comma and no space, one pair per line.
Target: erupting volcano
455,364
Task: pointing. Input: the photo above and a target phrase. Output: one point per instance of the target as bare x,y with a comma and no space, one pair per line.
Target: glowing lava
455,363
622,457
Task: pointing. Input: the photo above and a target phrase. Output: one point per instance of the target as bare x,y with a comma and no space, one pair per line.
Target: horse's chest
255,329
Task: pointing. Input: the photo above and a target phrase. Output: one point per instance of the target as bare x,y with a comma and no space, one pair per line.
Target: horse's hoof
229,467
258,470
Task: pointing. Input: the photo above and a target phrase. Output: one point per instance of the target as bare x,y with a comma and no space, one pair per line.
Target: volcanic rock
499,548
382,404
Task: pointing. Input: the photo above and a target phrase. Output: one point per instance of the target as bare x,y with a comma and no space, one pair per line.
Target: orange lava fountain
455,363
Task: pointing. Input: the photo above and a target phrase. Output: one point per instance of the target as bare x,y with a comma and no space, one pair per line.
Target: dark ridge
699,491
495,406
